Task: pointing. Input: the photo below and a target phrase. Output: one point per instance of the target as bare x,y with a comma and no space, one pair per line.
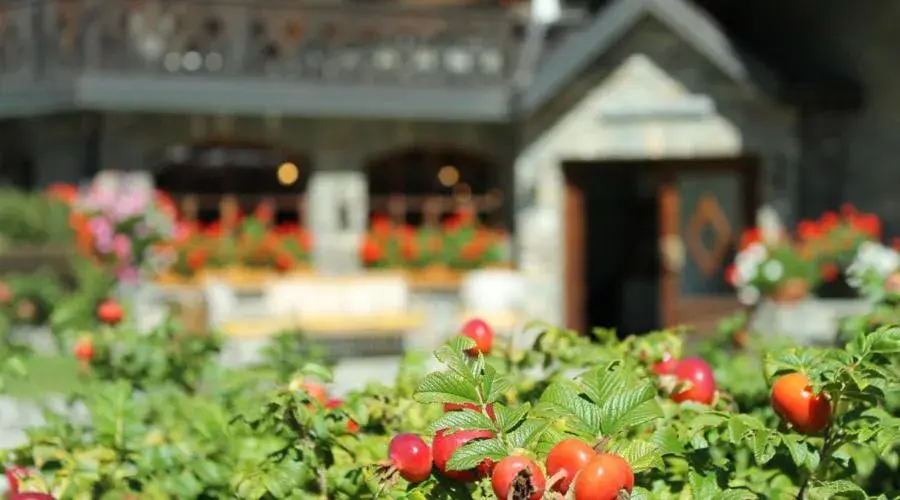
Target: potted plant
835,239
875,272
778,270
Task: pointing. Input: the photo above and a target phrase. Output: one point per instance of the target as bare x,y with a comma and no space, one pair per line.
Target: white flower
756,252
745,271
773,270
748,295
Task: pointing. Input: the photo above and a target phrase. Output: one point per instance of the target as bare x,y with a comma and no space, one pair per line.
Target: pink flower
128,274
122,247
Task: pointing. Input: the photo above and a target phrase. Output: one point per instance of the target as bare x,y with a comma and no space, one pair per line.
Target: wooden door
704,208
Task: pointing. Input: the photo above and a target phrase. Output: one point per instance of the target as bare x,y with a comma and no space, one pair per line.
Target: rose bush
569,414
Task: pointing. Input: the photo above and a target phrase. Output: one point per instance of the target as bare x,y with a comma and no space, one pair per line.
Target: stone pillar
337,211
59,148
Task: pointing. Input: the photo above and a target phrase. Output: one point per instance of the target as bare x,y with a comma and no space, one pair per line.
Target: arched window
422,184
200,175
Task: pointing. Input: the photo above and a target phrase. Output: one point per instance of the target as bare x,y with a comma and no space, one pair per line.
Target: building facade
647,124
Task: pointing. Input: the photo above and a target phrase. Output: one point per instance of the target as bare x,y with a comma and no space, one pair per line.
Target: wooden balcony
57,43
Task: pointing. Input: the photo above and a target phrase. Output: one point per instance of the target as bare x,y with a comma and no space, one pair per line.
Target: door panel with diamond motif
710,221
705,211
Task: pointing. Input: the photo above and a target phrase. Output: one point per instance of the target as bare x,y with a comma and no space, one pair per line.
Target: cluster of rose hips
571,464
792,394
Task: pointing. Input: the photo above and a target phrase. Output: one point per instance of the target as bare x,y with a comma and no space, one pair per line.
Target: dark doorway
621,266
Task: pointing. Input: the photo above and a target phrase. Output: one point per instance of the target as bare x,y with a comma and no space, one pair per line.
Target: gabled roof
691,23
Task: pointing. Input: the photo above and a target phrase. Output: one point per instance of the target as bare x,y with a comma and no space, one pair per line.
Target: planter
240,276
791,291
435,277
175,279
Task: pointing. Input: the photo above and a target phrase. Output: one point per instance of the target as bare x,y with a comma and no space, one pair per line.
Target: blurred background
375,173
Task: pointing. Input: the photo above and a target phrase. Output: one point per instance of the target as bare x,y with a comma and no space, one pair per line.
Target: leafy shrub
163,420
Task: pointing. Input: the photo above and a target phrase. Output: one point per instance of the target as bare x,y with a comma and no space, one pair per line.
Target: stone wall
651,97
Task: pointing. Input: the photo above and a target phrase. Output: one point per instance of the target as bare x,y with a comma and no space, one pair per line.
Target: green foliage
164,420
32,220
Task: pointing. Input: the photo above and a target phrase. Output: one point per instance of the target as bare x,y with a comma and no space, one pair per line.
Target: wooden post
431,211
397,209
301,210
228,211
190,207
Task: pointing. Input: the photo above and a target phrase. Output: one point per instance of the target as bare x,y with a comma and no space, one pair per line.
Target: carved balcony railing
52,40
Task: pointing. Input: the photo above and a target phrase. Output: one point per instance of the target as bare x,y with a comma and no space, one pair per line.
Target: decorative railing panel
279,39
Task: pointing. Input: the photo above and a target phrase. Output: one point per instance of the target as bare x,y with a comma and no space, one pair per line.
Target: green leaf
457,361
509,418
622,405
446,387
318,372
562,400
703,486
527,434
764,445
278,483
474,452
885,340
842,488
667,441
465,419
801,453
642,455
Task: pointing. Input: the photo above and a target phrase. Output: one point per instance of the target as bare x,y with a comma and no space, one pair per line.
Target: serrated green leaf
667,441
528,433
562,400
465,419
735,494
703,486
885,340
508,418
801,453
622,403
457,361
706,420
764,445
641,455
844,488
474,452
446,387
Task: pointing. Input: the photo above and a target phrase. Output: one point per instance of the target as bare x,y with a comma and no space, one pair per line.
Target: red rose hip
700,375
568,456
445,445
506,476
110,312
481,333
603,478
794,401
411,457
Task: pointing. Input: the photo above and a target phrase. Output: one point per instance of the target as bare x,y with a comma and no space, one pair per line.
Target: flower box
240,277
434,278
